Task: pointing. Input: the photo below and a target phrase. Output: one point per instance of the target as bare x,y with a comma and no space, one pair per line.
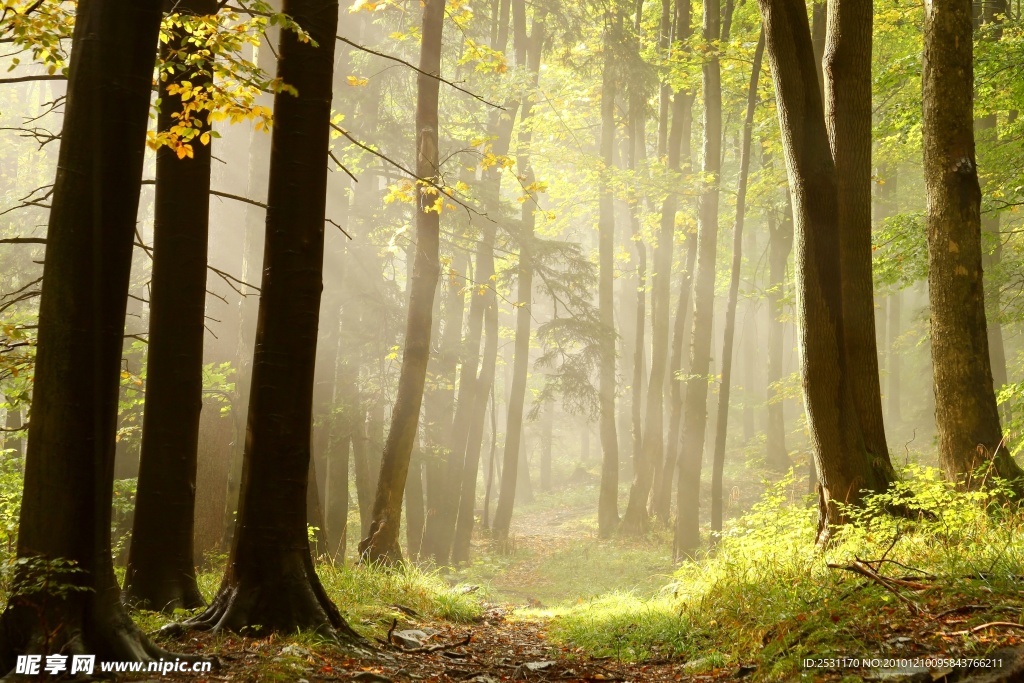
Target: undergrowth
767,596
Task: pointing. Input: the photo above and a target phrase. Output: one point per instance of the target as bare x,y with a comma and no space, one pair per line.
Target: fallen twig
863,569
991,624
437,648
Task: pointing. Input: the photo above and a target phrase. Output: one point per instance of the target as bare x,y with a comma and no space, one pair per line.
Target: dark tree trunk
608,502
722,426
847,70
160,573
966,414
841,460
520,368
381,543
270,583
695,412
66,504
780,245
415,508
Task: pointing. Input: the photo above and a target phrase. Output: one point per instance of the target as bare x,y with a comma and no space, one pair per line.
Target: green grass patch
767,596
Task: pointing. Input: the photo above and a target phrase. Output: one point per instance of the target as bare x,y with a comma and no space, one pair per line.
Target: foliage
767,594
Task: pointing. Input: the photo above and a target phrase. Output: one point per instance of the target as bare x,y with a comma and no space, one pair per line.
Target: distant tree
65,595
608,501
160,573
530,49
270,583
780,246
695,411
381,543
966,414
722,421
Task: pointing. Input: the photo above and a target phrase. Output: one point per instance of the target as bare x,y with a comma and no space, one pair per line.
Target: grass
767,596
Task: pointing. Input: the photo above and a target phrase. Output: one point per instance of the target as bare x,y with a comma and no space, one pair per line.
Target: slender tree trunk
679,144
648,431
608,502
695,413
520,368
381,544
780,245
66,505
966,414
485,387
840,456
270,583
547,442
443,465
718,464
847,70
895,359
160,573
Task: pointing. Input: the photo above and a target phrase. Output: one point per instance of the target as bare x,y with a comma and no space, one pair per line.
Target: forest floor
516,614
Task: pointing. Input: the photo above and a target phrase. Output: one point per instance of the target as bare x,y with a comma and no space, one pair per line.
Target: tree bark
722,426
66,505
608,501
780,245
270,583
520,367
841,459
679,144
847,71
966,414
160,573
695,412
381,543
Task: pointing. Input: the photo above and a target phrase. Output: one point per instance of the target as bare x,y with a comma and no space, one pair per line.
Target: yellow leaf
357,81
205,138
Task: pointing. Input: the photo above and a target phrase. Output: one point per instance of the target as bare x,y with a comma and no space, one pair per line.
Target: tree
270,583
160,573
608,501
718,462
687,533
847,84
64,527
841,459
780,245
381,544
966,415
513,431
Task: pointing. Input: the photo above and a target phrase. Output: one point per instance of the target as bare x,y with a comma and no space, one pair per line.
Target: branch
420,71
397,165
41,77
23,240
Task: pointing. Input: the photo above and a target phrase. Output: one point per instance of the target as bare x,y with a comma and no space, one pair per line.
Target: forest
511,340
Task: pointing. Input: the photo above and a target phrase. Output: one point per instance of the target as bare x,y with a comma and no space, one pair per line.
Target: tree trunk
160,573
718,464
443,488
841,459
608,502
484,387
695,412
895,360
780,245
966,414
381,543
647,431
847,70
547,442
66,505
679,144
520,368
270,583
